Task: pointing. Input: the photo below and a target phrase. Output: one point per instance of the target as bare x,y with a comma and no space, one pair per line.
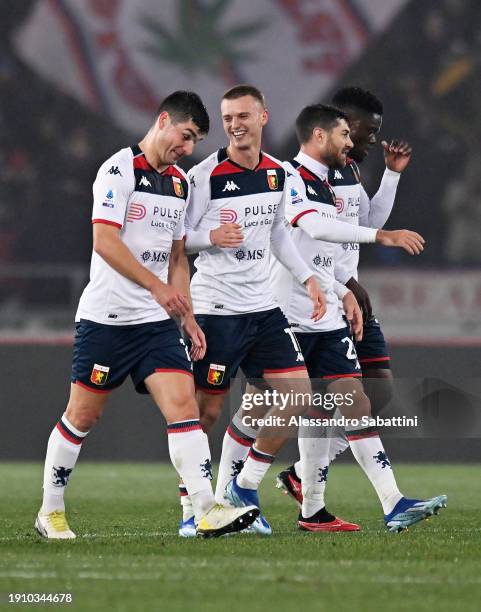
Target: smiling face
175,140
336,144
243,119
365,128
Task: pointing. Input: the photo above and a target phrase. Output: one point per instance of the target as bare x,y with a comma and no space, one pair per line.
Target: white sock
185,502
369,452
190,455
254,469
314,466
235,449
63,449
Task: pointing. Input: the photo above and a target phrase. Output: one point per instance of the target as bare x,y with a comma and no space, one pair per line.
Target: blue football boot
187,528
239,497
407,512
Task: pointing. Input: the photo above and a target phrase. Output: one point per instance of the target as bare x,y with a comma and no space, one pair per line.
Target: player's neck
148,149
247,158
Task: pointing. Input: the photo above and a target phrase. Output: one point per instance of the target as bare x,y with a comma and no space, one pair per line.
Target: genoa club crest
179,190
272,179
99,374
215,375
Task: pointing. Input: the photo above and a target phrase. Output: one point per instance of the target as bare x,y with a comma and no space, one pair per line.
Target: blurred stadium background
80,79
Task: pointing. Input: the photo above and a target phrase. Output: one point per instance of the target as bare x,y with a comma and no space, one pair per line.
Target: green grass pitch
127,555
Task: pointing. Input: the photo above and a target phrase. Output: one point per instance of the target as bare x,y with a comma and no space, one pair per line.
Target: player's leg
373,354
276,357
326,357
95,372
173,392
64,444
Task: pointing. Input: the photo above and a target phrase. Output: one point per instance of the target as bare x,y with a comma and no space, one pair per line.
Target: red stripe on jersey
105,222
374,359
301,214
173,171
141,163
226,167
267,163
306,175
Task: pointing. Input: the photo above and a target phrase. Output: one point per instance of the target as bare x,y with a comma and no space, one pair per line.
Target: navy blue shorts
259,343
330,354
104,355
372,350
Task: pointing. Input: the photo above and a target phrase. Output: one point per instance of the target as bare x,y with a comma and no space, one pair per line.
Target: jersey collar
312,164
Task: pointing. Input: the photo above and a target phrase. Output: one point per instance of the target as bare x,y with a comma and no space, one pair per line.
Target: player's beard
334,157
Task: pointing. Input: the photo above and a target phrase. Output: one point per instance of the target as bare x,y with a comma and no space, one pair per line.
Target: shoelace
58,521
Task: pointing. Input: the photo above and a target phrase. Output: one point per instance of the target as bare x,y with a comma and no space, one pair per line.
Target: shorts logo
179,190
136,212
272,179
99,374
227,215
215,375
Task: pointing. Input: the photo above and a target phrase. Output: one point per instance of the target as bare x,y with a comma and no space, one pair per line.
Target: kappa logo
227,215
311,190
136,212
114,170
337,175
144,181
231,186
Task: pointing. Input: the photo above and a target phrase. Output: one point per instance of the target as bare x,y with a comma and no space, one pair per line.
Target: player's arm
331,230
285,250
376,211
109,246
228,235
179,278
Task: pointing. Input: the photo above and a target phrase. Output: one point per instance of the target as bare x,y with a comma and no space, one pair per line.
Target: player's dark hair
239,91
186,105
359,99
316,115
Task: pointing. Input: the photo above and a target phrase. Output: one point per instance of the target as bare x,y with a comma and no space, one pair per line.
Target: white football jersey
354,206
309,193
235,281
148,208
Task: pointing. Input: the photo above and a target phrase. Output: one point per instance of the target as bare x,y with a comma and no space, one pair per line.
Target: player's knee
380,391
81,417
352,400
185,407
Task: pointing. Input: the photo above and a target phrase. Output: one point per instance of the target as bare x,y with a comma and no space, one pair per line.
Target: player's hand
362,298
171,299
353,315
317,296
412,242
397,154
228,235
197,337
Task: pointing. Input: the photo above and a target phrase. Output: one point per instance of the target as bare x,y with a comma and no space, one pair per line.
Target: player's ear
264,117
163,119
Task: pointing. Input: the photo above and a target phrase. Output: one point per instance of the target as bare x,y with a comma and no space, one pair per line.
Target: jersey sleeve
296,202
375,212
197,238
111,191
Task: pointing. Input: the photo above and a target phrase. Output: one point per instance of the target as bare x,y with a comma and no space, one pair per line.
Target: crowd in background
425,68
